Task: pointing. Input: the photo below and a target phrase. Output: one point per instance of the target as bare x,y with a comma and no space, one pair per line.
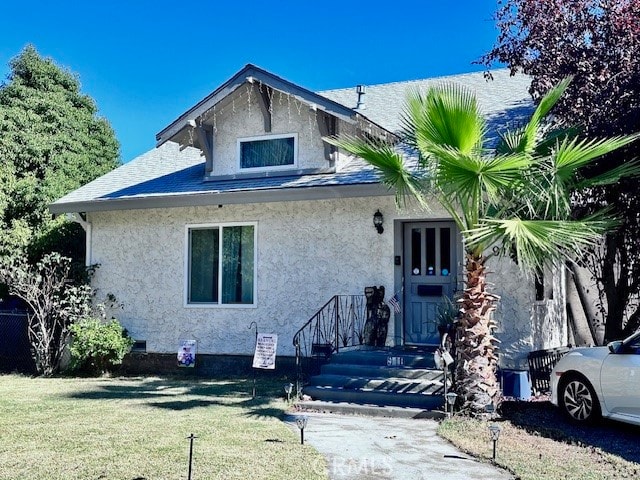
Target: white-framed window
268,152
221,264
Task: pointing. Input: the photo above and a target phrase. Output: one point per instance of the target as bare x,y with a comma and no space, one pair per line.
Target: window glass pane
203,265
416,251
273,152
445,251
430,244
237,264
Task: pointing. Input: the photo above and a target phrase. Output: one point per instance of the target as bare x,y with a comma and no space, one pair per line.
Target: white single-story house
243,214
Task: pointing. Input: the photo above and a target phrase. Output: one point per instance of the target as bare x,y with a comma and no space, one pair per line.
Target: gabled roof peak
251,73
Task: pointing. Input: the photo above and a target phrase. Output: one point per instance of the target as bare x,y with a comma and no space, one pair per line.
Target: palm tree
511,201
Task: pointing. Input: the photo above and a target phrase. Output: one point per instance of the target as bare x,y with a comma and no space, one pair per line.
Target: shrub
53,301
97,346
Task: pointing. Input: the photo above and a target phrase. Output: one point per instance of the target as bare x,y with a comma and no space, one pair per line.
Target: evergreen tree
51,142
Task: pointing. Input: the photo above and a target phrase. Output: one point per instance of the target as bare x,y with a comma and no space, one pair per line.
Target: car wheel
578,400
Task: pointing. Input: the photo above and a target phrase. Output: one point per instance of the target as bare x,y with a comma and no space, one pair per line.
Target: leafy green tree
517,198
597,42
51,142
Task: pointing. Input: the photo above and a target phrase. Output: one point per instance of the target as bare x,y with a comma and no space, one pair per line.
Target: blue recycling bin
515,383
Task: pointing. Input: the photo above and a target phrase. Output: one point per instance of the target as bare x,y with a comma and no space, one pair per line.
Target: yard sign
187,354
265,354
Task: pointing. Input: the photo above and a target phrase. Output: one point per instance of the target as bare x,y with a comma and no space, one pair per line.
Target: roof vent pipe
361,90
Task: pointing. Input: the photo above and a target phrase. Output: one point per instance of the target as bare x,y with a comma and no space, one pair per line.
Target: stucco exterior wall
307,252
524,323
243,118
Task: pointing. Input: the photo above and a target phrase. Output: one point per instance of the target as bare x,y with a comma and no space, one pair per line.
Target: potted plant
447,314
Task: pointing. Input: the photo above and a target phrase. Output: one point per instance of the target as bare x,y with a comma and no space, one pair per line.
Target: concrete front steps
385,378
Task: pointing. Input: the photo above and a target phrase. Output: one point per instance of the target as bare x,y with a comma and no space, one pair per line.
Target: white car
588,383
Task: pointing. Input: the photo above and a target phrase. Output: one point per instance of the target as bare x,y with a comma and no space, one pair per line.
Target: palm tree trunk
476,382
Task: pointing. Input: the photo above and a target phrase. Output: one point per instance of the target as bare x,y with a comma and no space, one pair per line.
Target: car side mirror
614,347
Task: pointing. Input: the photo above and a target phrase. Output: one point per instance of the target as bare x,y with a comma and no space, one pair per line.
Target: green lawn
136,428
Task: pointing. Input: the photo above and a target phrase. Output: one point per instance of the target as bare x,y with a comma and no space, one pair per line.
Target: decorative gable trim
251,73
264,100
205,140
328,127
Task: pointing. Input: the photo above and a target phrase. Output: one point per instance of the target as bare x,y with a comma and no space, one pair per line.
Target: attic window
268,152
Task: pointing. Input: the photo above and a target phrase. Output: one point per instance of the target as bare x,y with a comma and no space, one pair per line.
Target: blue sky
146,62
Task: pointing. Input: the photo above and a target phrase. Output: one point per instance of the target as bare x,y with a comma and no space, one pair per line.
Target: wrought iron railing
338,324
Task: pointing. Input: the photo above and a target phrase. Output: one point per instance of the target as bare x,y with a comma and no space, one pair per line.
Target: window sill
231,306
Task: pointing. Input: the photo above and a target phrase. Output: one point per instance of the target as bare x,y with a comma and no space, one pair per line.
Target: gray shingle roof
171,176
504,100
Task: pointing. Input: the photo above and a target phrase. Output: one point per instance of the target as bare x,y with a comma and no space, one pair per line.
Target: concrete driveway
366,448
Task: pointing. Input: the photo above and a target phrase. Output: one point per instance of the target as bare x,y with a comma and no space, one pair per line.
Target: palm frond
551,138
630,169
388,163
447,115
532,128
477,177
538,242
510,142
573,154
553,177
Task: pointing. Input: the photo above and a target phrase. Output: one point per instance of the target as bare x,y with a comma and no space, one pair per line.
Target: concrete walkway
366,448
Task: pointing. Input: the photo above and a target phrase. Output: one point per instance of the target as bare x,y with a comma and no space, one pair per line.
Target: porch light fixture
377,221
288,387
494,430
302,423
451,401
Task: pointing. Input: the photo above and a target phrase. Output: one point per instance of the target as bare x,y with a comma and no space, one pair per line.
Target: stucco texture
306,253
525,324
242,118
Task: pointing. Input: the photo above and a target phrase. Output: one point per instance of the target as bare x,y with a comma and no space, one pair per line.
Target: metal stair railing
338,324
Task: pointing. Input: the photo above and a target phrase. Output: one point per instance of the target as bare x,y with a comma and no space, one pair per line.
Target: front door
429,275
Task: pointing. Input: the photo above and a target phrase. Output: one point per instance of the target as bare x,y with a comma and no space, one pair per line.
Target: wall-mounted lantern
378,219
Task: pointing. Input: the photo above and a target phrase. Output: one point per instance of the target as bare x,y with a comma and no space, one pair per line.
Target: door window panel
445,251
416,252
430,249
